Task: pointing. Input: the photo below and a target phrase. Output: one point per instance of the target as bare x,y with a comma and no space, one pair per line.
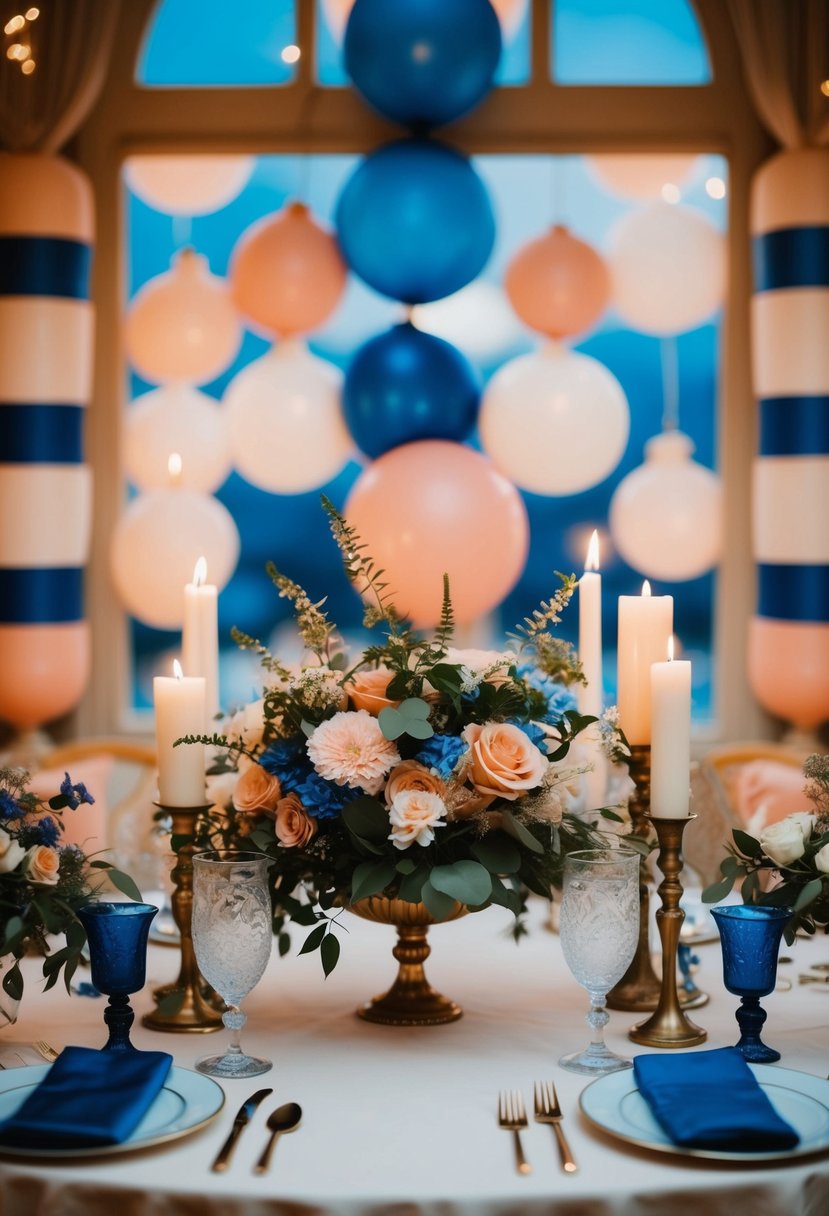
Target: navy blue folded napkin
88,1099
711,1099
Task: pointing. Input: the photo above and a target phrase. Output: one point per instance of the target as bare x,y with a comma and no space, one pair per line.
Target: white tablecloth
401,1122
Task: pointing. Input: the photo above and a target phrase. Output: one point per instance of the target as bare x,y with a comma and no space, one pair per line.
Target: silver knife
239,1124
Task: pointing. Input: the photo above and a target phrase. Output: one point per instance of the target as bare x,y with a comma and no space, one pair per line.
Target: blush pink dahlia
351,749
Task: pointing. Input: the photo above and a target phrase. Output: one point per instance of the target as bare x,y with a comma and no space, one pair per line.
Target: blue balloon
422,62
407,385
414,221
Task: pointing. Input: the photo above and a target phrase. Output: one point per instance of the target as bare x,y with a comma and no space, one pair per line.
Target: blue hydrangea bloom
324,799
534,733
75,794
559,699
8,807
48,831
441,753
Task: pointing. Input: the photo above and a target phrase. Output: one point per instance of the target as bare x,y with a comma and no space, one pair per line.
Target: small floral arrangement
42,882
788,864
419,771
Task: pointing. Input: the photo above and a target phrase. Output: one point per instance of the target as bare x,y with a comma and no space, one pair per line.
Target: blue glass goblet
117,936
750,939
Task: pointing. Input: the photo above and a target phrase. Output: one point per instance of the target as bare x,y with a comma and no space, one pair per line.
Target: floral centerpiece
788,864
417,772
42,882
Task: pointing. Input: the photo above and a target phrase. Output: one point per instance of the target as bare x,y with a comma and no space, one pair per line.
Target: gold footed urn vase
411,1000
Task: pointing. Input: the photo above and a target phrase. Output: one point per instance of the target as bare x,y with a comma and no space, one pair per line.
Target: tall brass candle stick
193,1012
668,1026
639,987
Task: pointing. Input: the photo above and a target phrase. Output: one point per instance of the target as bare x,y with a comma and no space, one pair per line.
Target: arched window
535,144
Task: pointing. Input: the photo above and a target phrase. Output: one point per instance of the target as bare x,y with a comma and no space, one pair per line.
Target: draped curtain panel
46,343
785,47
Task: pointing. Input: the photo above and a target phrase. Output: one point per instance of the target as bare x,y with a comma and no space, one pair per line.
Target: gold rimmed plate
188,1102
614,1105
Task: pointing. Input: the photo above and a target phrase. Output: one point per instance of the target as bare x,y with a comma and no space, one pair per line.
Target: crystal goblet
117,936
232,940
599,929
750,940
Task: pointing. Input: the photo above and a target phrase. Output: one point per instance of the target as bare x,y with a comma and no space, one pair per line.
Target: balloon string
669,358
182,231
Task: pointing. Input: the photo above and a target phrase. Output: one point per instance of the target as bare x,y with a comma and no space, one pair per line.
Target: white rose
247,725
414,814
220,787
11,853
806,819
822,859
784,842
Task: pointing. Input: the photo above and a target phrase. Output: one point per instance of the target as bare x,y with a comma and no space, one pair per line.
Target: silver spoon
284,1119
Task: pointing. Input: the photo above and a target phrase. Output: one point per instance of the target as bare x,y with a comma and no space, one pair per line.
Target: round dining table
403,1121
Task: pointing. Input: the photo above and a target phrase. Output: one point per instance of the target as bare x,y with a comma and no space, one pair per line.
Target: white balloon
477,319
188,185
287,431
666,516
668,269
641,175
555,422
361,314
156,544
176,418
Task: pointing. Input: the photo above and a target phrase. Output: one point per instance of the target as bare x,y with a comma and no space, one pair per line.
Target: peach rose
367,690
502,760
257,792
42,864
413,816
409,775
294,826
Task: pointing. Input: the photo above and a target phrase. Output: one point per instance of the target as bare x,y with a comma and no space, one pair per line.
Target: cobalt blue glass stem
750,939
117,936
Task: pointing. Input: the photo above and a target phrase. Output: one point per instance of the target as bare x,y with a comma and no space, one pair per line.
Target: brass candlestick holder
194,1012
668,1026
638,989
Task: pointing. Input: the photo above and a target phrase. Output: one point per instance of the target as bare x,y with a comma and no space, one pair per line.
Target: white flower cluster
785,841
318,688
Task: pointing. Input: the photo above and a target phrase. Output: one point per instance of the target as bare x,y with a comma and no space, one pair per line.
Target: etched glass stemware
750,939
599,928
232,940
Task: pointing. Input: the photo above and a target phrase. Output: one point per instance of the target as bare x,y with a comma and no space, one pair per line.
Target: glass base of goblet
594,1061
232,1065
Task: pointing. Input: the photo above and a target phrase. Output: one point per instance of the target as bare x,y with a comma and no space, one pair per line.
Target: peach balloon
186,184
558,284
45,669
433,507
287,273
643,175
182,325
787,666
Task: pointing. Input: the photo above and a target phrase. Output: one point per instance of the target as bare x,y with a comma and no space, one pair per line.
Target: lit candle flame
177,672
200,572
646,588
174,467
671,649
592,559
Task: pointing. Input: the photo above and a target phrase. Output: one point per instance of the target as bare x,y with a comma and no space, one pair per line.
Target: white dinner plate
613,1104
188,1101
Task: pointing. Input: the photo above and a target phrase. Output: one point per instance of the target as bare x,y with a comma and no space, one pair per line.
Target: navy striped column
46,333
788,652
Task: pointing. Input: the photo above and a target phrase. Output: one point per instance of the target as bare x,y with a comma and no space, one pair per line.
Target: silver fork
547,1110
513,1117
46,1050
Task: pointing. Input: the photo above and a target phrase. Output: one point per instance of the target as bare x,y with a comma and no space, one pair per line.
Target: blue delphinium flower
48,831
75,794
9,808
441,753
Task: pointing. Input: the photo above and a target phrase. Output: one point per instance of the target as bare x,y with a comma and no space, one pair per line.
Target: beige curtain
69,42
785,50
